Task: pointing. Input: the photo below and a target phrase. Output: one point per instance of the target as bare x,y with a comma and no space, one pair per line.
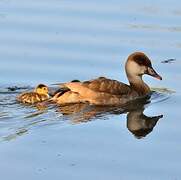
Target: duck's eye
151,71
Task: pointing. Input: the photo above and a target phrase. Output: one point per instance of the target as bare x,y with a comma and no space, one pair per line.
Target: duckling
104,91
39,94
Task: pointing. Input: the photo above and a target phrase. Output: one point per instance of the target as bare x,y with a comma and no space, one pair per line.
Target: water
57,41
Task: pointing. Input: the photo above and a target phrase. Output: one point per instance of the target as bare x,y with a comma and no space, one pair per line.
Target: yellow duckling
40,94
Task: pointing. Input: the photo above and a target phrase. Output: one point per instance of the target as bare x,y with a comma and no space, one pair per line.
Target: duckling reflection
138,124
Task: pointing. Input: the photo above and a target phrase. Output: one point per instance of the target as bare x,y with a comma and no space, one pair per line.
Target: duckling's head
139,64
41,89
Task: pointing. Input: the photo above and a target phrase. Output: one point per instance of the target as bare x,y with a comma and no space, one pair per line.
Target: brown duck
103,91
39,94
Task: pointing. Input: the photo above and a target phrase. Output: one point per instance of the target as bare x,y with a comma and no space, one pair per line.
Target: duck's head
41,89
139,64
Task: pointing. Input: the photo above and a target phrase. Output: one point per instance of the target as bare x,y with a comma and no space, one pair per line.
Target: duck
39,94
105,91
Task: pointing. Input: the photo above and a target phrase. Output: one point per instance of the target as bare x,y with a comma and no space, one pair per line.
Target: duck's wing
109,86
100,85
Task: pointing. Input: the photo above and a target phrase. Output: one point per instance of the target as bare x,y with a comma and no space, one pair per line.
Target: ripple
18,120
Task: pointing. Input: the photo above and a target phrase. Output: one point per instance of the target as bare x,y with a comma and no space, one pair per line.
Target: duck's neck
138,85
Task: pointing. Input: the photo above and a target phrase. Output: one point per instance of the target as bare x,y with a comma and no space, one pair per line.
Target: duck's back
108,86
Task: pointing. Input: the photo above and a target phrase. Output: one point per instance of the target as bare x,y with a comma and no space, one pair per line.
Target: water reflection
19,132
138,123
16,119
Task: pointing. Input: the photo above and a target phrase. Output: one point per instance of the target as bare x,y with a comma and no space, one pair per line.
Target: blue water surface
50,41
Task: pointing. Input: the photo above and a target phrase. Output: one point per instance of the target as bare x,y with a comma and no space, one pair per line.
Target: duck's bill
153,73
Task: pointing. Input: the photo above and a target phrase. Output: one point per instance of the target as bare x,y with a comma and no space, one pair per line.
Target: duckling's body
103,91
40,94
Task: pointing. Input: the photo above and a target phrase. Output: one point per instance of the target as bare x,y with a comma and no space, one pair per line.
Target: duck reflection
138,123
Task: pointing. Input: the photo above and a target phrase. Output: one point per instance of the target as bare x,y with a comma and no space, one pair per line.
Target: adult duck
103,91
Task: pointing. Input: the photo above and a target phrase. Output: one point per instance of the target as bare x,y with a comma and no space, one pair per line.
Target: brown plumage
40,94
103,91
109,86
